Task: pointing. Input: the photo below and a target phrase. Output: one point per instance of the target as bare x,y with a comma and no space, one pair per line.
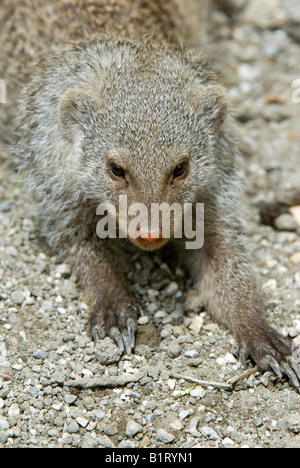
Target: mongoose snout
150,239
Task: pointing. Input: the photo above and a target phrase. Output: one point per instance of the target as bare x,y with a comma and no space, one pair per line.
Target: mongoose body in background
111,106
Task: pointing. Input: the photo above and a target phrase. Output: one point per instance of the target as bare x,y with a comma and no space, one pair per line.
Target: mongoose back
110,105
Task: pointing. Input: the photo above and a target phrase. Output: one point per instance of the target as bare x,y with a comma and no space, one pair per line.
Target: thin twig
243,375
205,383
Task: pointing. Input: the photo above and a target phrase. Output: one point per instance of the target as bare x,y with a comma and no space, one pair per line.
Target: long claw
131,328
291,375
117,337
129,336
243,355
274,366
97,334
295,365
126,340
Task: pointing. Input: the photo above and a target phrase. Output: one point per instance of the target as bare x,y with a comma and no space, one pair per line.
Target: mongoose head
146,126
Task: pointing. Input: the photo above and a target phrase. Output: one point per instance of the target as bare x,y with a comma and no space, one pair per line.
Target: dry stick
228,385
200,382
243,375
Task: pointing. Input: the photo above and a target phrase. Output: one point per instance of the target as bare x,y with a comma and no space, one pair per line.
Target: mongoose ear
212,102
74,110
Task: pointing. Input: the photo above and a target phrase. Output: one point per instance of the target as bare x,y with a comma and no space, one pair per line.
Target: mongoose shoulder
113,106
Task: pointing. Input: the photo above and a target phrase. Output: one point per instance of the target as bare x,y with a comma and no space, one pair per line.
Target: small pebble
221,361
295,258
17,297
185,414
143,320
133,428
83,422
191,353
210,433
198,392
286,222
3,437
47,306
39,354
4,424
171,383
295,210
230,359
164,437
196,325
171,289
227,442
176,425
70,399
73,427
87,441
127,444
152,292
63,270
174,349
271,262
105,441
293,423
53,433
13,410
270,50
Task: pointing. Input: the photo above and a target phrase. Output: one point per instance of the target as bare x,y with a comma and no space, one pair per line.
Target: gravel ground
57,389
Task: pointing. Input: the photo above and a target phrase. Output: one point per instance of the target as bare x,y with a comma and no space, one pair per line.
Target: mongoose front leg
232,298
113,308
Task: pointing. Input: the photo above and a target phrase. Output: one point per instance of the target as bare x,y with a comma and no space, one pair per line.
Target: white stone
14,410
164,436
227,442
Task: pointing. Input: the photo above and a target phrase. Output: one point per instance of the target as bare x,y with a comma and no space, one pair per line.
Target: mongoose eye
180,170
117,170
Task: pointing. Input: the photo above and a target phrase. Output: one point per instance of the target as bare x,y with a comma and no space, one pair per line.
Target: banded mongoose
110,104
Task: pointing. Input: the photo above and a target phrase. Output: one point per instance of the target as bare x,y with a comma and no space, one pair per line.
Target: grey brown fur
109,81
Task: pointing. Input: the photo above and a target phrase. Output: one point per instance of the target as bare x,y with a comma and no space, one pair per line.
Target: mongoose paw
119,324
270,350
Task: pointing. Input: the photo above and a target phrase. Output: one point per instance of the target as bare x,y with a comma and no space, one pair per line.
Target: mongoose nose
150,243
150,238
